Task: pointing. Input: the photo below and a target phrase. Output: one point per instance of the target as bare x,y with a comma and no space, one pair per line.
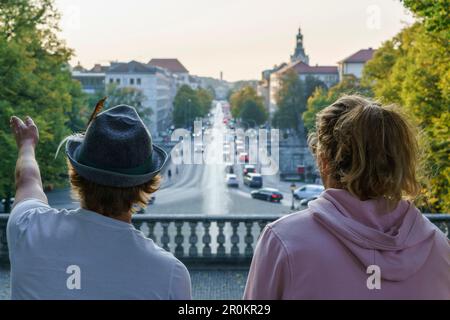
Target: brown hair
111,201
370,150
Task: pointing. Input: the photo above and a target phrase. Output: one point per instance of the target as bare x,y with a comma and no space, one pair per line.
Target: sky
239,37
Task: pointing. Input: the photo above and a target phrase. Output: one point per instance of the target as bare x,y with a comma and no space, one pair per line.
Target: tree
434,14
129,96
291,100
205,98
186,107
412,70
322,98
248,106
35,80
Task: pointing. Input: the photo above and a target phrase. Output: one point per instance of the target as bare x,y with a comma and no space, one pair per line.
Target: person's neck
124,217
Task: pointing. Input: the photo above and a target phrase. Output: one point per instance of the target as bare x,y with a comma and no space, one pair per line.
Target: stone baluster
206,239
151,230
235,239
137,225
165,238
249,239
221,239
179,239
262,224
193,239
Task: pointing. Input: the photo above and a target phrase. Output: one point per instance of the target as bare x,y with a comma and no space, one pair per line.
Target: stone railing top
438,217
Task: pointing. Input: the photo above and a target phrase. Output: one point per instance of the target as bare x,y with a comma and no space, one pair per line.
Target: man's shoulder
29,209
153,251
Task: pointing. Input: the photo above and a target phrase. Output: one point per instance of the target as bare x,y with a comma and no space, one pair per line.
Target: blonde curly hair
370,150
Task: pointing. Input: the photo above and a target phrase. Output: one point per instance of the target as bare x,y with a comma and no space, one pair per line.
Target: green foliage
434,12
322,98
35,81
187,106
292,98
205,97
130,96
248,106
413,71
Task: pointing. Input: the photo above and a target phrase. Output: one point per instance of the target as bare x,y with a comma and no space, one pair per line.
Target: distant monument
299,54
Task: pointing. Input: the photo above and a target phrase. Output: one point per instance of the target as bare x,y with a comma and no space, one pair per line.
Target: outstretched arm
28,176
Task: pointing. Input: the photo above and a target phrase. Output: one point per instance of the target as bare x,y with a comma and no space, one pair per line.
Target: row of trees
248,107
411,70
35,80
292,99
190,104
122,95
323,97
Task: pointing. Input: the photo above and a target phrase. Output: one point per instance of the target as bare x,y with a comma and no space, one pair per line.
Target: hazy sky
239,37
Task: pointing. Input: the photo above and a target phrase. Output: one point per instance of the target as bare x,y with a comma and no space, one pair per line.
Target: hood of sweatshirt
398,241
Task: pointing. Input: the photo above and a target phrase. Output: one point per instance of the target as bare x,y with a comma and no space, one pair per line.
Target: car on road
232,181
243,157
240,148
253,180
308,191
198,148
304,202
249,168
268,194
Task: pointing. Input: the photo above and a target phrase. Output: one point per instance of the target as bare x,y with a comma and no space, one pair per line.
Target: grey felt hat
117,150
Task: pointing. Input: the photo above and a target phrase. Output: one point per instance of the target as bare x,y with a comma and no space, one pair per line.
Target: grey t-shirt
79,254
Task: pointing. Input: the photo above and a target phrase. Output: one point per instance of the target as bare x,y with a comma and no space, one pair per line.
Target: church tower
299,54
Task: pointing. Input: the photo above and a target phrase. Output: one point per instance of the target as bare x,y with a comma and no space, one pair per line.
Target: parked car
268,194
248,168
198,148
253,180
304,202
240,148
232,181
308,191
243,157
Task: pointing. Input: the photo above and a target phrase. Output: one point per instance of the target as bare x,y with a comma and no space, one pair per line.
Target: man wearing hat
93,252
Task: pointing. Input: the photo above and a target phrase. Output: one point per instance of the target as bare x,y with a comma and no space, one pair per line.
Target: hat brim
111,178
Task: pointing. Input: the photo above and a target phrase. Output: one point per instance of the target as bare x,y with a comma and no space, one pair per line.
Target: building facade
271,79
177,69
91,81
155,83
354,64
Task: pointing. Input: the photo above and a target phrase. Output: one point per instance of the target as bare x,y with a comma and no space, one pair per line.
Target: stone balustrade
206,239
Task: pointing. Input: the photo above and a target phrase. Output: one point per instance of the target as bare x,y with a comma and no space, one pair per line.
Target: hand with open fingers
25,132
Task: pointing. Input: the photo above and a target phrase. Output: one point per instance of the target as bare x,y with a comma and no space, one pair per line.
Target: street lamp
293,187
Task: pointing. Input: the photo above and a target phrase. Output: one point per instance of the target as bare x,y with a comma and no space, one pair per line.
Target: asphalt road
201,188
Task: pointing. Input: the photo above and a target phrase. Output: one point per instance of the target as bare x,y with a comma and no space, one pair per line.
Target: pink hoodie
324,252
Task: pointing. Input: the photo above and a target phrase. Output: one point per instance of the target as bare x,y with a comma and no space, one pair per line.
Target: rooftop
303,68
131,67
361,56
173,65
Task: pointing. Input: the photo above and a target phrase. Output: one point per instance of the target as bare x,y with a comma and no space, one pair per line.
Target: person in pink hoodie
362,238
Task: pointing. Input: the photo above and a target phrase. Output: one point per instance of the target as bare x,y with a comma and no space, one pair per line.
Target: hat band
144,168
